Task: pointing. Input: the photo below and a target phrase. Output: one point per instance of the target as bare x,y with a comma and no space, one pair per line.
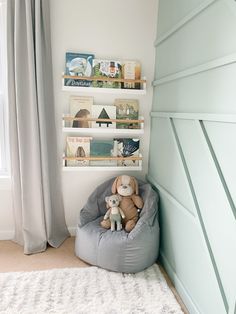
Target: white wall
110,29
192,153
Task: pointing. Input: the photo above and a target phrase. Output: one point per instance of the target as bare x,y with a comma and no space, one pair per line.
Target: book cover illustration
102,148
80,107
106,68
103,112
77,147
126,147
127,109
78,64
132,71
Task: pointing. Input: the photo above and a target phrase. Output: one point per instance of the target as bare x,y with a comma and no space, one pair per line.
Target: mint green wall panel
182,241
172,11
193,151
165,164
199,41
222,137
212,200
211,91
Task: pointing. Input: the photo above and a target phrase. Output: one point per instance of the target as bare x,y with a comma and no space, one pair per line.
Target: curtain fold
35,164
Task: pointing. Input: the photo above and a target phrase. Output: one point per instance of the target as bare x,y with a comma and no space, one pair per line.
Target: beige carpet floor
13,259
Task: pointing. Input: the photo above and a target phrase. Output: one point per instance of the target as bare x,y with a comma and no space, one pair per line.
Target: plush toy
114,212
131,202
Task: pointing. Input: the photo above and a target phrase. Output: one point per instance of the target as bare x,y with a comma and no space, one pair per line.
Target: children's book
78,64
131,70
126,147
104,112
107,68
81,107
102,148
127,109
77,147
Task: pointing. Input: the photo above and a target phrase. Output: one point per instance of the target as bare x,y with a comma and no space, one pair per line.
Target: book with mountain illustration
127,109
109,69
106,113
81,107
78,64
102,148
126,147
77,147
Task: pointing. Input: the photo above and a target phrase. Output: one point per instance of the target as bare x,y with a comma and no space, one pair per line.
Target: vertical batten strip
187,173
218,168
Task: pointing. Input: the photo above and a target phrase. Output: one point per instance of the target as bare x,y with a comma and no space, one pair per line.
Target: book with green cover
109,69
102,148
127,109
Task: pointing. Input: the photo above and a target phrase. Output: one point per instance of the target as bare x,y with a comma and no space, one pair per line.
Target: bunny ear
136,186
114,188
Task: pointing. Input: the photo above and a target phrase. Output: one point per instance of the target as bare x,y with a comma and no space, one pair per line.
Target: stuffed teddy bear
131,202
114,212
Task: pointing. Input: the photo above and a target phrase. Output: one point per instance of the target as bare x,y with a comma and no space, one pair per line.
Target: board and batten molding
170,197
200,218
184,21
207,66
217,117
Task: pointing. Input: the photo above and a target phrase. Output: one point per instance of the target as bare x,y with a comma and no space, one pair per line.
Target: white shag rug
87,290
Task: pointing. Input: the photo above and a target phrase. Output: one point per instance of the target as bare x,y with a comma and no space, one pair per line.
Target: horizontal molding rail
216,63
183,21
226,118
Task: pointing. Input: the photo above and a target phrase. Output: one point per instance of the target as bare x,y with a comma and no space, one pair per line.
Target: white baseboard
6,235
72,231
179,286
9,234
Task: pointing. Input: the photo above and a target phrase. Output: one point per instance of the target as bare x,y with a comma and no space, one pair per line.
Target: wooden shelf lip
103,158
114,131
102,78
70,118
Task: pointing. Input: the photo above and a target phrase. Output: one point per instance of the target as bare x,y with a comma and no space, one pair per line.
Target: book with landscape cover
103,112
78,64
107,68
131,70
127,109
126,147
77,147
81,107
102,148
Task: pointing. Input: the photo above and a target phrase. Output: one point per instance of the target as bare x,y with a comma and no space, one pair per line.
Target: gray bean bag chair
118,250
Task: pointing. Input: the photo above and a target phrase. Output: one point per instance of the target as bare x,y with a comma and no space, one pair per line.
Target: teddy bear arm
122,213
107,214
138,202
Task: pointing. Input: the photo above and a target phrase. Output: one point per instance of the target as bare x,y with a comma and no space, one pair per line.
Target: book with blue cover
102,148
78,64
